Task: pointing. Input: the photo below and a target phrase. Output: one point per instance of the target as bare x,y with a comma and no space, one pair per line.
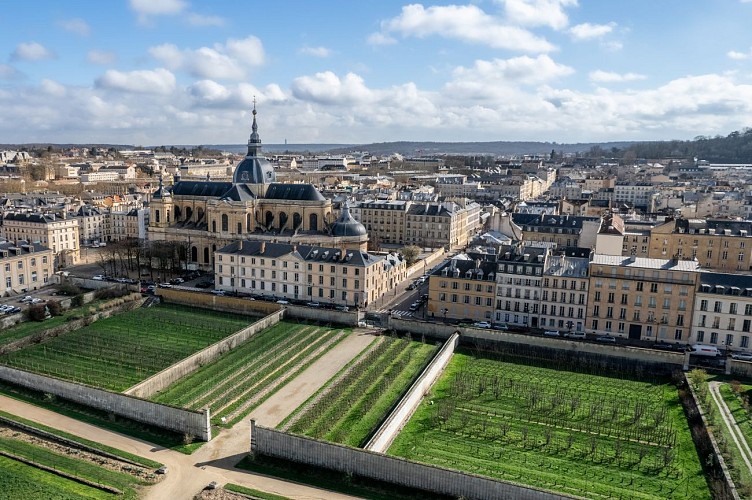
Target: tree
410,253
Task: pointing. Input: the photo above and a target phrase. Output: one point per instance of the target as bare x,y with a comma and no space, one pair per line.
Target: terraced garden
350,407
239,381
120,351
590,436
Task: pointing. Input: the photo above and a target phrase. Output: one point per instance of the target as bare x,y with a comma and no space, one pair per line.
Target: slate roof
726,284
304,252
201,188
544,220
238,192
302,192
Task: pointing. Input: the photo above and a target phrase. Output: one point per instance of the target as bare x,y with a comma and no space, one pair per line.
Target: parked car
98,277
218,292
411,286
500,326
552,333
705,350
575,335
414,306
742,356
482,324
342,308
26,299
311,304
212,486
165,285
162,470
362,324
606,338
283,302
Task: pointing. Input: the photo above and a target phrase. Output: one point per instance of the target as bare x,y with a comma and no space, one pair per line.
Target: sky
161,72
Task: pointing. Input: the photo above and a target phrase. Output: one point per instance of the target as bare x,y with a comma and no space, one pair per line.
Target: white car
552,333
482,324
575,335
742,356
98,277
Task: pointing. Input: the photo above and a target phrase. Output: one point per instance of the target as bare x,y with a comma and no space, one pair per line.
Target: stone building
24,266
60,234
723,311
518,292
207,215
341,276
565,289
464,287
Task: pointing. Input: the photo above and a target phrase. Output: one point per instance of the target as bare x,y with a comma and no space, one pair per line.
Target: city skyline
178,72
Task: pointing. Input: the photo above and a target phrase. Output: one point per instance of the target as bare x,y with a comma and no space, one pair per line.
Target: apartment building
61,234
634,193
465,287
638,298
92,224
561,230
446,224
565,289
24,266
128,224
723,311
341,276
518,285
384,220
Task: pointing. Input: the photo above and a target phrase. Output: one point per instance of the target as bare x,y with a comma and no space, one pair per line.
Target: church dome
254,169
346,225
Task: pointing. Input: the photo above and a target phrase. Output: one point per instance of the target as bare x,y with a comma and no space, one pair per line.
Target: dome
254,169
346,225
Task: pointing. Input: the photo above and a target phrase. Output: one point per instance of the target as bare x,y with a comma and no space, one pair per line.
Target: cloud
380,39
8,72
204,20
609,76
539,12
31,51
53,88
315,51
587,31
328,88
518,70
467,23
158,7
76,26
739,56
102,57
225,62
158,81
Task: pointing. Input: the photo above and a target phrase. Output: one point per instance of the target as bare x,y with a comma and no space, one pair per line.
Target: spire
254,143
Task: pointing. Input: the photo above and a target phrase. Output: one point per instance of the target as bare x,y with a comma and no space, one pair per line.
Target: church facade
206,215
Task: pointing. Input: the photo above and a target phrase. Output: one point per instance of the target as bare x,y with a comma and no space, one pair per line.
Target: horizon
557,71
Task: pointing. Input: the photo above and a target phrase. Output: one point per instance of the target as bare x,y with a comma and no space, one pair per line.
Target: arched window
240,228
176,211
199,214
269,219
313,222
214,226
206,255
297,220
194,254
156,216
225,223
188,213
282,220
248,226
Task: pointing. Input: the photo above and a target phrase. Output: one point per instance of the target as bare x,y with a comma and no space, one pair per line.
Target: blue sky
151,72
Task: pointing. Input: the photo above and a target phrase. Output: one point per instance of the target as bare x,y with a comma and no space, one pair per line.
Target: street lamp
445,311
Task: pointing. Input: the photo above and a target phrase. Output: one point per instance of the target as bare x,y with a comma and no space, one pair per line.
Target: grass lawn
27,328
349,408
254,493
591,436
69,465
240,380
22,481
120,351
57,432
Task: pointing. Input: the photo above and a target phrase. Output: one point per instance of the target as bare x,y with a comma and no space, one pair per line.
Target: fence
397,419
171,374
393,470
166,417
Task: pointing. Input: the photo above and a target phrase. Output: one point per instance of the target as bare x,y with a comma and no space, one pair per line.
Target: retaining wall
393,470
222,303
163,416
349,318
385,435
471,335
425,264
171,374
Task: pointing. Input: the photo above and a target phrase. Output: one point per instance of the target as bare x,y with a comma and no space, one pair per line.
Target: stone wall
385,435
166,417
393,470
739,368
320,314
171,374
222,303
424,265
469,335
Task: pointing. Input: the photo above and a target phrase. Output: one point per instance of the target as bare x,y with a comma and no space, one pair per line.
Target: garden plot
120,351
352,405
590,436
239,381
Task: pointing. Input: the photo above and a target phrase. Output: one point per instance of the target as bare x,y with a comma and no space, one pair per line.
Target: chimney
263,248
240,245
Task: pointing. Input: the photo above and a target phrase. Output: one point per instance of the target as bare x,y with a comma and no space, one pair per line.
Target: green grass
261,495
114,451
120,351
22,481
99,418
349,411
240,380
561,431
27,328
78,468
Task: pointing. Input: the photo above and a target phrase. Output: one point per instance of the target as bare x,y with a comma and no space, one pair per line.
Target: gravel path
730,422
215,461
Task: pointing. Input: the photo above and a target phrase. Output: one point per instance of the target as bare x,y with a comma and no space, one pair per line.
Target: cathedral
208,215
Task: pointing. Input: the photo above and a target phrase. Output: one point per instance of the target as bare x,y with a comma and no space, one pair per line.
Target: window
718,306
732,308
640,285
745,341
654,288
678,334
442,296
611,297
729,339
713,337
748,310
700,336
595,324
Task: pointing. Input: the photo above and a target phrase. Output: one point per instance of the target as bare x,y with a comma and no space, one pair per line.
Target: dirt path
730,422
215,461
